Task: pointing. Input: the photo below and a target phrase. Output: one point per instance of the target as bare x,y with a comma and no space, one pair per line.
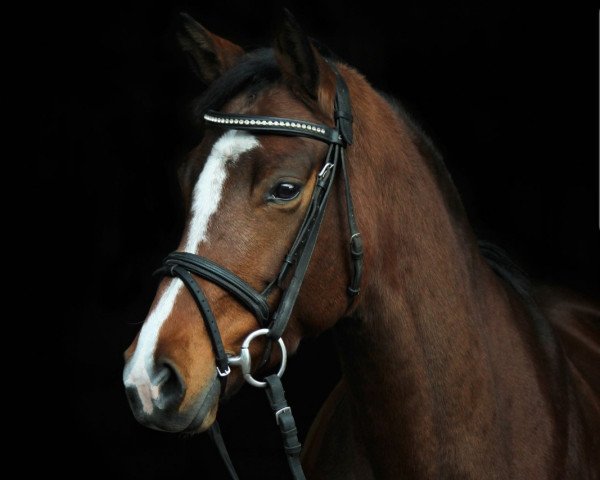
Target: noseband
183,264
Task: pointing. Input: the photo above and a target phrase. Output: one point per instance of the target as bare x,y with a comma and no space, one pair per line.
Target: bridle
184,264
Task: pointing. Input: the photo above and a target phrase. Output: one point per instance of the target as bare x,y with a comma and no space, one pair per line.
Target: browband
275,125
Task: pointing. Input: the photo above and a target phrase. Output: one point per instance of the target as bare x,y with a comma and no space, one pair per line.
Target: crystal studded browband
274,125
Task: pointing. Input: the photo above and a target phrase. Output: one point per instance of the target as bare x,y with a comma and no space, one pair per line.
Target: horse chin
196,418
206,414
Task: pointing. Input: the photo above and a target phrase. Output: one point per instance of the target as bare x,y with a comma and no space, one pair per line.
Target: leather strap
210,322
287,425
215,434
229,281
302,250
356,244
343,109
274,125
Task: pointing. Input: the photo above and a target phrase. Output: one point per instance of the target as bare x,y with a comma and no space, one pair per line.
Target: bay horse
452,366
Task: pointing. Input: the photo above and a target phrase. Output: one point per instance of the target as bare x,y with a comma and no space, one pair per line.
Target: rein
184,265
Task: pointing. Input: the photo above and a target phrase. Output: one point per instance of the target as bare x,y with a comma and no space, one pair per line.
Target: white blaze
205,202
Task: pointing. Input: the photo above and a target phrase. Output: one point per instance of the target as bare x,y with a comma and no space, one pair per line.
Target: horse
453,366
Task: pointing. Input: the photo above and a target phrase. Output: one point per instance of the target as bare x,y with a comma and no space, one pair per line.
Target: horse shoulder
332,450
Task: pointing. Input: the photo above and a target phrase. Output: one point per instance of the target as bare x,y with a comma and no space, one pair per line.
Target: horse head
247,195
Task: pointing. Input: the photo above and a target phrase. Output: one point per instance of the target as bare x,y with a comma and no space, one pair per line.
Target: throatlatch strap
217,438
287,425
356,244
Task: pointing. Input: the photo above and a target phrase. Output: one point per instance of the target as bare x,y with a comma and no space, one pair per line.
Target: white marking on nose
209,187
205,202
136,373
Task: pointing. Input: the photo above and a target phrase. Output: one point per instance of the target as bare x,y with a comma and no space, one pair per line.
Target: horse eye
285,191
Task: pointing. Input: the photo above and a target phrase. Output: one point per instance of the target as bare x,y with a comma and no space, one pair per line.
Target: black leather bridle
184,265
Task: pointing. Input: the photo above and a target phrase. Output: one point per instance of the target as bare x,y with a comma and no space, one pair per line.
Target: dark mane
548,344
256,70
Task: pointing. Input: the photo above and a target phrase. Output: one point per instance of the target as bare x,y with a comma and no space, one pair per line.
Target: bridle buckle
324,173
281,411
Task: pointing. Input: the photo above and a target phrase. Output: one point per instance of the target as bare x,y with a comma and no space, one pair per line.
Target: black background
507,91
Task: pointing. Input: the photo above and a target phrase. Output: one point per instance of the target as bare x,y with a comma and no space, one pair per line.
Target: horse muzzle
157,401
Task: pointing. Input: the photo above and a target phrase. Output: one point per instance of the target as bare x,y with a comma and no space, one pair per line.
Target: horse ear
303,68
209,55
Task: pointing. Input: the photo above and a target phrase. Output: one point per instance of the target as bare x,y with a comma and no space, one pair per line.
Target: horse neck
424,353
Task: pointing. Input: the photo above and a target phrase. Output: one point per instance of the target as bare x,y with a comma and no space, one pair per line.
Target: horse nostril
133,398
171,385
